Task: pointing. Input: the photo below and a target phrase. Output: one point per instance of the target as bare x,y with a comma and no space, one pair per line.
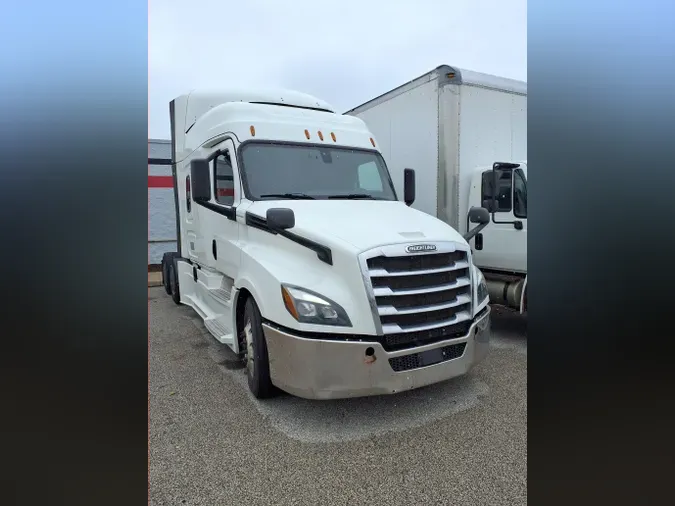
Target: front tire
257,359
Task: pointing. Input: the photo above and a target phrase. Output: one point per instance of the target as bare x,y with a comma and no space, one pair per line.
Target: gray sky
345,52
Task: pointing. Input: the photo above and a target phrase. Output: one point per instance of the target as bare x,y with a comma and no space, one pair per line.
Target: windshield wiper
288,196
353,196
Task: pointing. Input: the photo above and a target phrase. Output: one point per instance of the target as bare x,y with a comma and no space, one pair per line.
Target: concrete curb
154,279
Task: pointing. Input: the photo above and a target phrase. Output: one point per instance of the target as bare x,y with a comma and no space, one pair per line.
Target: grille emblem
418,248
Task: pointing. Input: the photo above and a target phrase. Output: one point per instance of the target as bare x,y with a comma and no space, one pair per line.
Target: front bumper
329,369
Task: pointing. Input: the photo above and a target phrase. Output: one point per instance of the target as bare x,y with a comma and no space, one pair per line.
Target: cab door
219,223
502,245
193,242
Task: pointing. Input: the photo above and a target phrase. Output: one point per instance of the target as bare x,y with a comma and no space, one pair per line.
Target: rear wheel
173,281
167,261
257,359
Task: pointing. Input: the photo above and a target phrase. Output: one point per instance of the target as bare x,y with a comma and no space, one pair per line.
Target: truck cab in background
500,249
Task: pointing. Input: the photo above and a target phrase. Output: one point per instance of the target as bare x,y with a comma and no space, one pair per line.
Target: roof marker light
372,142
320,135
332,135
307,133
252,130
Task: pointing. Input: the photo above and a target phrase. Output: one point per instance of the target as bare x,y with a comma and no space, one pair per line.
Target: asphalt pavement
461,442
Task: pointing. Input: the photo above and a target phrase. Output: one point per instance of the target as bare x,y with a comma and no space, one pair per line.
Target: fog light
483,324
483,330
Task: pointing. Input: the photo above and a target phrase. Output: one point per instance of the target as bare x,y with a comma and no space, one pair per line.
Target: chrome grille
420,298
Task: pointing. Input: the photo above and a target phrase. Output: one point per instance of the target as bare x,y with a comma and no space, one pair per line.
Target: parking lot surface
461,442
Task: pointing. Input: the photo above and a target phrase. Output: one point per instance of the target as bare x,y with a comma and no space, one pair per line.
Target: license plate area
430,357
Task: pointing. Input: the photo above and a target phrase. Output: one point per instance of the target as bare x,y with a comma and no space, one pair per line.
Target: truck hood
364,224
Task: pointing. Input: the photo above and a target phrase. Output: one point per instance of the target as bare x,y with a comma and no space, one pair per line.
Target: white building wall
161,207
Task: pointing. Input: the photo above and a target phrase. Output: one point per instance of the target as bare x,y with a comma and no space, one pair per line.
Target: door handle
518,225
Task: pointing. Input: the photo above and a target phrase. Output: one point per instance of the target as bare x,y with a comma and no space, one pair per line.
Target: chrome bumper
328,369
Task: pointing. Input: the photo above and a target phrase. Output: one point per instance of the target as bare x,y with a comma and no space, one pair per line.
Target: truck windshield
291,171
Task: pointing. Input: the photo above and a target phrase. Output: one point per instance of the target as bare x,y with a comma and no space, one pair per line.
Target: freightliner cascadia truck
302,255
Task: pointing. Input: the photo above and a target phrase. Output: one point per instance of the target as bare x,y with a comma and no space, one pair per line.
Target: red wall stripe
160,181
167,182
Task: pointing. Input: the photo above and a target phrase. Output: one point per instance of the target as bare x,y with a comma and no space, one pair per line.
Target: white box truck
465,134
295,250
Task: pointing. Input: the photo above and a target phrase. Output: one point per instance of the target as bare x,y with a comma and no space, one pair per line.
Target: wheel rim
250,356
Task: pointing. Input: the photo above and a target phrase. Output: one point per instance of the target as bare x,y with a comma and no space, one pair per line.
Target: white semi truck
465,134
295,250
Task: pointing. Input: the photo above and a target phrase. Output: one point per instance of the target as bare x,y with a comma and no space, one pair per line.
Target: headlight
481,288
309,307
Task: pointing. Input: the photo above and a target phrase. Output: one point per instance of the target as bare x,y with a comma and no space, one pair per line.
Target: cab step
218,329
211,297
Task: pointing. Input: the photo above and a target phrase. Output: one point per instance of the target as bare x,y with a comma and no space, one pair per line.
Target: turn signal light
288,301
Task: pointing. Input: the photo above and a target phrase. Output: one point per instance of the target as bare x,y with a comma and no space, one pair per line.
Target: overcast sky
345,52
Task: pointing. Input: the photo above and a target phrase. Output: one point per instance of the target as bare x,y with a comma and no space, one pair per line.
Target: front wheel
257,359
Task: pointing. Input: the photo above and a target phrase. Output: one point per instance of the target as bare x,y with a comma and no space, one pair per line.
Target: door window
224,179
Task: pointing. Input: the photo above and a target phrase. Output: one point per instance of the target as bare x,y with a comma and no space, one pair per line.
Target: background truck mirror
200,180
479,215
502,186
280,218
487,190
408,186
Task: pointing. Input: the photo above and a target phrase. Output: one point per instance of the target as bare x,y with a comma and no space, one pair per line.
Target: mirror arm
473,232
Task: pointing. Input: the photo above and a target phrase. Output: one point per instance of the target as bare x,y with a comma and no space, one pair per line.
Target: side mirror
280,218
200,180
479,215
500,170
408,186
